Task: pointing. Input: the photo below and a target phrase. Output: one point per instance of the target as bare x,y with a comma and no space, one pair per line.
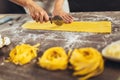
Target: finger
36,17
41,17
69,18
33,16
65,19
46,17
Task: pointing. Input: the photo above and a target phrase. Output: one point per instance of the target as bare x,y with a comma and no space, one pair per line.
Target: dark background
8,7
75,6
94,5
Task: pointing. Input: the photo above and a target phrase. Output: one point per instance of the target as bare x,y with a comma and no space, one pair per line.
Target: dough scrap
112,50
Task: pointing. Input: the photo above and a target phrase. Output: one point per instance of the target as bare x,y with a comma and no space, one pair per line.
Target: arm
22,2
36,12
58,4
58,10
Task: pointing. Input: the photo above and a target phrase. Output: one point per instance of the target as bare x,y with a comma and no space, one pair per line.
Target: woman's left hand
67,18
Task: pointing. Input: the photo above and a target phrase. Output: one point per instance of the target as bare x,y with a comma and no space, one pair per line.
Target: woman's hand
37,13
67,18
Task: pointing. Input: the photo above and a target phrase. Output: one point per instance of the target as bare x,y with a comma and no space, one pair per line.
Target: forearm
36,12
58,4
23,3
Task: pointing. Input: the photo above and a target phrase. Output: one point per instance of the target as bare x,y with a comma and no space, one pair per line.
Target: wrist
28,3
58,5
58,9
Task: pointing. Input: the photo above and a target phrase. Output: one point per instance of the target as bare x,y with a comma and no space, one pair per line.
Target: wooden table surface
67,40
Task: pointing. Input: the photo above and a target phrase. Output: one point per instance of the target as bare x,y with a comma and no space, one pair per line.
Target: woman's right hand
37,13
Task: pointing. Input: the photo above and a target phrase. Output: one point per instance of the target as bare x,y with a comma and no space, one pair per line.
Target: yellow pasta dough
81,26
112,50
23,54
54,58
86,62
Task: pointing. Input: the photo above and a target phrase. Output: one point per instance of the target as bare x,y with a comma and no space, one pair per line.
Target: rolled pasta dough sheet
77,26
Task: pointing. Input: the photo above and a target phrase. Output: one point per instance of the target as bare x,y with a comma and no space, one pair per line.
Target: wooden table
67,40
